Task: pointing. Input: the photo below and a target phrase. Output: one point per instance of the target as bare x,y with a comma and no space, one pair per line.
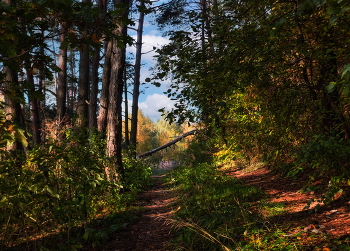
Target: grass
215,212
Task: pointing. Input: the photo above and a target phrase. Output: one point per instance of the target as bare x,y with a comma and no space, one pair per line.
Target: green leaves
343,85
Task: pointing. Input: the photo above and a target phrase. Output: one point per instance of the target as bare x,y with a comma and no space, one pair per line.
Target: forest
262,87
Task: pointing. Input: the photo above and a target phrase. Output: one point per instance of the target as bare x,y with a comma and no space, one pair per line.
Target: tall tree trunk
126,115
34,110
114,117
136,92
203,9
93,92
42,90
106,75
83,84
62,81
83,88
94,83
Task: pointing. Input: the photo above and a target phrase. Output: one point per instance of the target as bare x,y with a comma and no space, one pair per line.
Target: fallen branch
168,144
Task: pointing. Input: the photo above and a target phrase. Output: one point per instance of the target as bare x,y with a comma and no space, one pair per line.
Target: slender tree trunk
114,117
126,116
94,84
42,104
102,117
54,57
203,8
93,92
83,84
83,88
35,111
136,92
62,82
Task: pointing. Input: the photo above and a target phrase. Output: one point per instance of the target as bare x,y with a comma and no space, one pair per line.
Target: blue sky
153,98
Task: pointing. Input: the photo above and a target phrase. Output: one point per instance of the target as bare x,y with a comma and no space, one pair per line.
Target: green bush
61,186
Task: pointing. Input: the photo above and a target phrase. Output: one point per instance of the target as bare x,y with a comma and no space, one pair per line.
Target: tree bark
136,92
114,116
94,84
93,93
83,84
42,90
126,115
62,81
35,111
106,75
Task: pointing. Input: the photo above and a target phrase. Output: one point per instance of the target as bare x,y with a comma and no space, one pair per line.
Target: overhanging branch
168,144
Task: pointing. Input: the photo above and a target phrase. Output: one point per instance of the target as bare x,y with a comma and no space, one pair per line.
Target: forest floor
332,220
152,232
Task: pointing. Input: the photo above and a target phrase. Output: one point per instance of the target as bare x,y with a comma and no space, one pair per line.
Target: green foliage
261,77
215,212
62,185
137,174
326,154
29,24
9,132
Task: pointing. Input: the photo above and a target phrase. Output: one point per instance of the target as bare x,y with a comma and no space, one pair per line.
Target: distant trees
151,135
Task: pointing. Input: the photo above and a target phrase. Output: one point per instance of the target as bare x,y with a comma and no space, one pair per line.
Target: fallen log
168,144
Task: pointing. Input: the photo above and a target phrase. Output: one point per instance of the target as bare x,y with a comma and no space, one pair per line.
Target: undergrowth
59,198
217,212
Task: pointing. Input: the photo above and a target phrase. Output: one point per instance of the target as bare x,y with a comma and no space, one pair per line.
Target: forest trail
332,219
151,232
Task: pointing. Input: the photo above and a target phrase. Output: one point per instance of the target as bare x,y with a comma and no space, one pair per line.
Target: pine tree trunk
42,87
83,84
94,84
126,115
35,111
102,117
62,82
93,93
114,117
136,92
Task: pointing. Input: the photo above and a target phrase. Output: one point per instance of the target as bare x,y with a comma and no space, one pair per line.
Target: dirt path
151,232
332,219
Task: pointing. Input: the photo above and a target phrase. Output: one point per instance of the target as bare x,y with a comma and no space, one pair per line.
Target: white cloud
152,104
155,102
148,42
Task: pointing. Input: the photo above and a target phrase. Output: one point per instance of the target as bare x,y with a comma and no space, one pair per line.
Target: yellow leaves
255,240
